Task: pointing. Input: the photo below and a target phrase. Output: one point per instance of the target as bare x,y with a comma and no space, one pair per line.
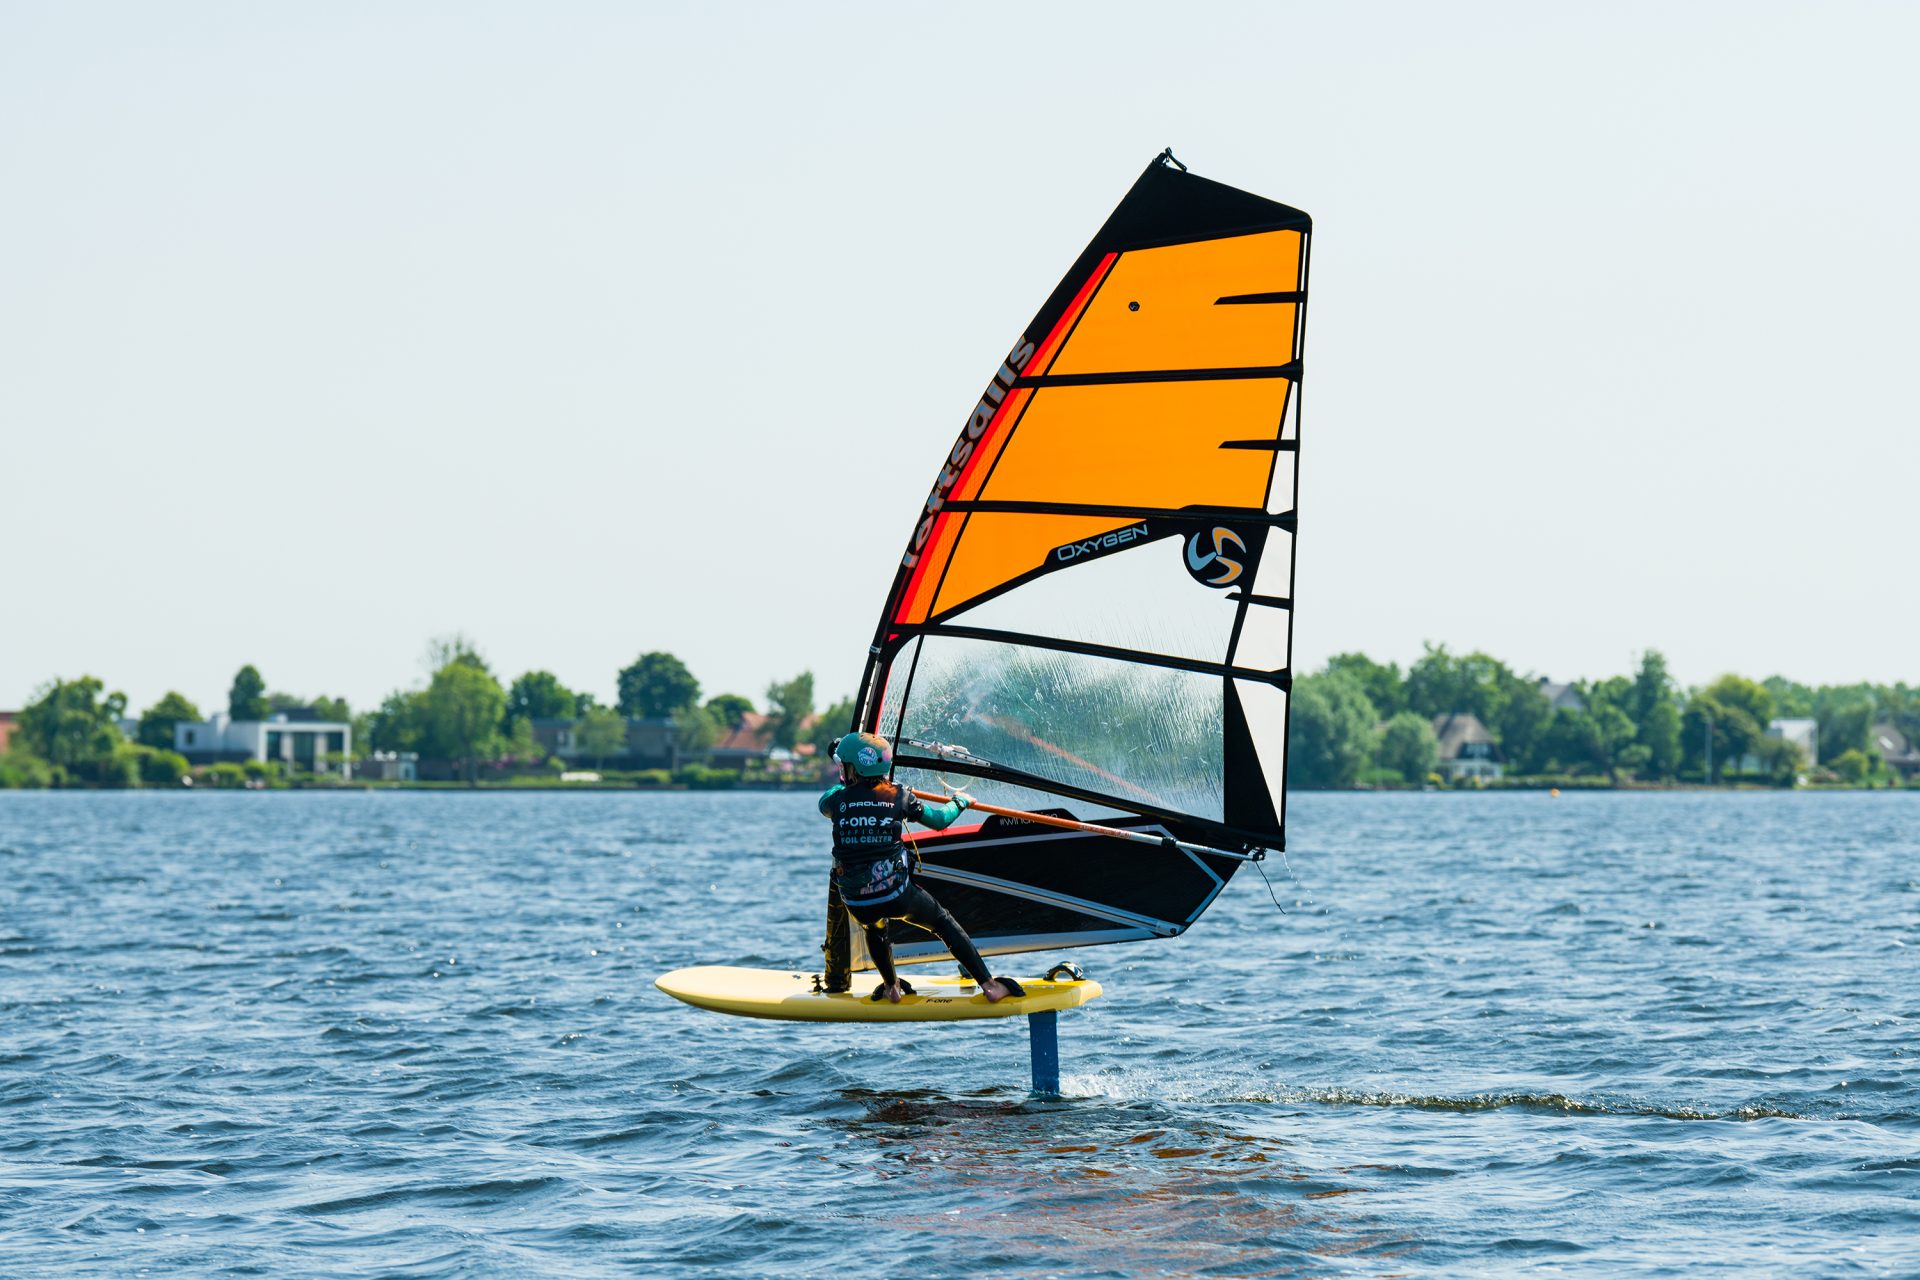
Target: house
390,766
1895,748
554,734
747,743
651,743
9,721
1561,697
751,743
291,737
1467,750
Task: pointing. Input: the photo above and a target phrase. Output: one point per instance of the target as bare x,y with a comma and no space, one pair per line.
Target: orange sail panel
1160,308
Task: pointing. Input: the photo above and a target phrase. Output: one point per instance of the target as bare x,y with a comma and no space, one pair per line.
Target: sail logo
1214,567
1111,541
977,424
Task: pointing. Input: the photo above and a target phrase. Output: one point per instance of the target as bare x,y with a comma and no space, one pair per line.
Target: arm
829,794
940,816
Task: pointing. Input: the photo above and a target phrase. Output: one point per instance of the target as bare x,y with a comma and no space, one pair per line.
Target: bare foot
994,990
894,993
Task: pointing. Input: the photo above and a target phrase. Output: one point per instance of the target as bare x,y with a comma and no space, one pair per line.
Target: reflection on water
1098,1188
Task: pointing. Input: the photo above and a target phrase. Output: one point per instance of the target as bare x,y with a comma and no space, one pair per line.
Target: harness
870,860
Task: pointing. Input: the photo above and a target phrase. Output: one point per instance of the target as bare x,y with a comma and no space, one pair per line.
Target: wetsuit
873,878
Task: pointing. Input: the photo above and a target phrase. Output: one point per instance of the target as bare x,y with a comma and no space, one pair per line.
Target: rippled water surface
416,1035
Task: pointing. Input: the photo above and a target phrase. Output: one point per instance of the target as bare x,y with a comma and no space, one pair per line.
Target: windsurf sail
1093,612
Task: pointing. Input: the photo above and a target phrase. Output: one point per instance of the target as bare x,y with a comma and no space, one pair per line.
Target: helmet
868,753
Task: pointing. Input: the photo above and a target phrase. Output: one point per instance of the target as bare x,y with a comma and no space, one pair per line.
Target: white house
1467,750
306,743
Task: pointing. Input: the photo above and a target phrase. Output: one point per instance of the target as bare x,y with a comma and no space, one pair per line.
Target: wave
1188,1086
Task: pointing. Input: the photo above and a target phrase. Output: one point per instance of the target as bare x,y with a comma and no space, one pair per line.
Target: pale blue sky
592,328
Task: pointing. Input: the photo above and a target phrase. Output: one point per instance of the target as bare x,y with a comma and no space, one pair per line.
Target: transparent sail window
1137,733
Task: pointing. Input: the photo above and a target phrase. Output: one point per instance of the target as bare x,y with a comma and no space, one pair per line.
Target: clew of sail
1095,602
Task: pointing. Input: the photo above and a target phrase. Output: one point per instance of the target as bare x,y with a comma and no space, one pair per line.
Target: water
415,1035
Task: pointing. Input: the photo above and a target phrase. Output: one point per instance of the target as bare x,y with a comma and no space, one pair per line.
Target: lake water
416,1035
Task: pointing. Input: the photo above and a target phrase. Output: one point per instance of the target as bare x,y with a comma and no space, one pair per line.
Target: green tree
600,733
1659,733
463,708
121,768
1522,720
1441,683
539,695
1846,718
730,707
1730,729
1407,746
1780,760
1853,766
1614,732
1902,710
157,721
834,721
399,723
1384,686
158,768
790,703
226,775
1656,716
695,730
454,648
72,724
1745,695
247,698
24,769
322,707
1331,733
655,686
333,709
1790,698
1589,741
518,743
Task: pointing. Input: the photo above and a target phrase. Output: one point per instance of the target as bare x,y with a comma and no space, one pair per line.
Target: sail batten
1121,377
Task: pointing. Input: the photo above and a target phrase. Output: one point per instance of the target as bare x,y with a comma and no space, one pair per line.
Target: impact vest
871,864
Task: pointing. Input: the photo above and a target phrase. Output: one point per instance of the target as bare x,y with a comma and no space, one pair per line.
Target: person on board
873,875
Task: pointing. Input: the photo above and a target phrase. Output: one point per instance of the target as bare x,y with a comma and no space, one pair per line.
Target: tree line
466,714
1355,722
1358,722
70,732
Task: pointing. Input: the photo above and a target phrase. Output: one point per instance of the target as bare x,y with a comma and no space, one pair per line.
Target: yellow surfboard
777,993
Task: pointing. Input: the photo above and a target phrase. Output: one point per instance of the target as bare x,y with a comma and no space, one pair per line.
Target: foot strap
880,992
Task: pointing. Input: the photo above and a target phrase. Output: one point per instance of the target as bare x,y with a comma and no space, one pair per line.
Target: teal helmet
867,754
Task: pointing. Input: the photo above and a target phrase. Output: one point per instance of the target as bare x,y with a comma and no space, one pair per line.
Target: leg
838,975
880,948
924,911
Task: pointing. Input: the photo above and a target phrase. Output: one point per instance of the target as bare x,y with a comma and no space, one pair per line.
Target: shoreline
602,788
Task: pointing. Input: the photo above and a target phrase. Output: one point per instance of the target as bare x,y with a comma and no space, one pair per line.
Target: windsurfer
872,873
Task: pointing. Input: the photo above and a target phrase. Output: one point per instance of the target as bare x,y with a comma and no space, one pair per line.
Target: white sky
593,328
